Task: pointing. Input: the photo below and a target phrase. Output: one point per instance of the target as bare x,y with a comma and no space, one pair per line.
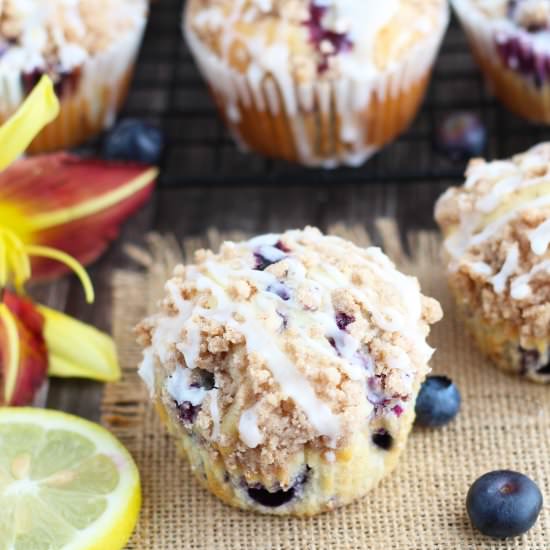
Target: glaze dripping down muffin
511,41
287,368
87,47
320,82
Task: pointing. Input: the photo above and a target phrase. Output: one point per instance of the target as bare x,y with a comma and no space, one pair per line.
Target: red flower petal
19,386
73,204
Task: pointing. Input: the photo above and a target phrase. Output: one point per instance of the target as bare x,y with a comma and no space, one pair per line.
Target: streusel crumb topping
287,341
497,229
532,15
317,38
60,34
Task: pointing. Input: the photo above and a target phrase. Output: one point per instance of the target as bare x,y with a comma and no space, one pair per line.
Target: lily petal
23,356
71,204
78,350
38,110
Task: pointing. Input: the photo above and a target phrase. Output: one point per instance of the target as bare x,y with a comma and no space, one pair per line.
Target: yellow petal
13,350
38,110
78,350
95,205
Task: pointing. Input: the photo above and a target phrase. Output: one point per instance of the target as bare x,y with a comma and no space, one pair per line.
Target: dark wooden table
258,209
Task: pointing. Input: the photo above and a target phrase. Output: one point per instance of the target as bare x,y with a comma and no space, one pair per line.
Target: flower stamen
15,262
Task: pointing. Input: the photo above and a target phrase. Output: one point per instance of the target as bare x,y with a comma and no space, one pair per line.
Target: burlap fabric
504,423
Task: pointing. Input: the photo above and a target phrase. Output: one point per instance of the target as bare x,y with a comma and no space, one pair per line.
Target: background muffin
511,41
287,369
317,82
88,47
497,232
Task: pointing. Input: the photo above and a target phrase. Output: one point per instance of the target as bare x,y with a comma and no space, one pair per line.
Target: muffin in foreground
319,82
88,47
287,368
511,41
497,232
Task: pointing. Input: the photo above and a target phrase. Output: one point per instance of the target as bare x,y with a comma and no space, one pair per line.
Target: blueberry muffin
497,232
88,47
511,41
287,368
319,82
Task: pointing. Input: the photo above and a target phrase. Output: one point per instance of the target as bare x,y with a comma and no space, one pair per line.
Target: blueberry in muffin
287,367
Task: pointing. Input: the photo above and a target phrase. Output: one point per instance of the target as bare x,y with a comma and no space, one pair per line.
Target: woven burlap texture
504,423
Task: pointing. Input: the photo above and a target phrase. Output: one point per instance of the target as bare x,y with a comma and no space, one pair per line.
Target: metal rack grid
169,91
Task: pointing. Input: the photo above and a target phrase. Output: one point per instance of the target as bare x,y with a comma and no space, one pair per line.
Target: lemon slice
65,484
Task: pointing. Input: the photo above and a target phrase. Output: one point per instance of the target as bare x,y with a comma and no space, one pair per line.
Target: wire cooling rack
169,91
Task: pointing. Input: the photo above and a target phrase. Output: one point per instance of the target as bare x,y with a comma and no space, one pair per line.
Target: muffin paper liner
519,92
322,123
90,106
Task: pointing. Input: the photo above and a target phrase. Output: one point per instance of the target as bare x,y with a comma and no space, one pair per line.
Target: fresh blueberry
381,438
268,255
319,34
187,412
280,290
533,362
343,320
278,497
438,402
461,135
270,499
282,246
205,379
519,55
503,504
133,140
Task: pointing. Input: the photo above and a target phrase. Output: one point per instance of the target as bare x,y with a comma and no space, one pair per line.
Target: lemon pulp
65,484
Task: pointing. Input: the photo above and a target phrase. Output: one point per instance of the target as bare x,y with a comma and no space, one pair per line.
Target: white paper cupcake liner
101,87
305,114
523,88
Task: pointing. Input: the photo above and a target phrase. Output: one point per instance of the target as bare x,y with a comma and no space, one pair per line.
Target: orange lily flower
57,212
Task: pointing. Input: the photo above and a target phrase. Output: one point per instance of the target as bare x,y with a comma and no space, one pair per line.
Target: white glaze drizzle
147,369
492,199
259,320
540,238
249,431
329,456
178,385
481,268
466,236
269,84
510,266
520,288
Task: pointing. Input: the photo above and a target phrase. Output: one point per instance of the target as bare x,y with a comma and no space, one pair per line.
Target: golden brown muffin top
305,339
317,38
60,34
497,236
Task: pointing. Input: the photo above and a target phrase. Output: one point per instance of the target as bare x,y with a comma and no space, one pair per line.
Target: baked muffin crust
323,39
59,35
305,340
